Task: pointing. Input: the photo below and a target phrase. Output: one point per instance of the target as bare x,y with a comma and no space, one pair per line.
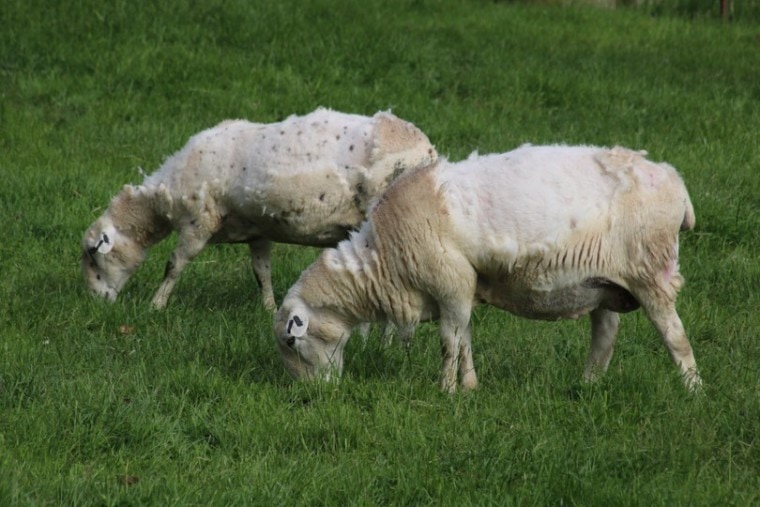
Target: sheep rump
543,232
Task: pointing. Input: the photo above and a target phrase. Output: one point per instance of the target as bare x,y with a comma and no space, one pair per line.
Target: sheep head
310,342
109,258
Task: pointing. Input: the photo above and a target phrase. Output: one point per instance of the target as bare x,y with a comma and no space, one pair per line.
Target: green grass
192,405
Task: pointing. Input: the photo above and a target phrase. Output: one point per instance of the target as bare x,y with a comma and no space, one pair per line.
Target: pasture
117,404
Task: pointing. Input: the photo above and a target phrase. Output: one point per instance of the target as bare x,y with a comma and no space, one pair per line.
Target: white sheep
543,232
307,180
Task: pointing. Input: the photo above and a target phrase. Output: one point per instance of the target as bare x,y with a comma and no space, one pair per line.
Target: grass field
115,404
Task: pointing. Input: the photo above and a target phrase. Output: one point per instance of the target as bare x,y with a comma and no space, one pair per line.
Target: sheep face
108,259
310,343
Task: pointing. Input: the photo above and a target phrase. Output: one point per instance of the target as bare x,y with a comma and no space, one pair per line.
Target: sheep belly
282,228
564,302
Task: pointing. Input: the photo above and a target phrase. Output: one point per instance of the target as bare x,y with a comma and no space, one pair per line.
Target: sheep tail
689,219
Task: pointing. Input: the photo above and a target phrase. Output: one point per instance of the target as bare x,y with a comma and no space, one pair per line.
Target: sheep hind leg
261,255
667,322
604,328
188,247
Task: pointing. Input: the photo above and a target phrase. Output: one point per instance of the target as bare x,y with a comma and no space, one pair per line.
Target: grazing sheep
307,180
543,232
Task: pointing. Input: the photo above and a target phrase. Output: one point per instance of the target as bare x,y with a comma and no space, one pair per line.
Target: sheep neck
134,214
354,281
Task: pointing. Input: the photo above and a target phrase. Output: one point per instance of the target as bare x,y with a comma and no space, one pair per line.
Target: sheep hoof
469,383
158,304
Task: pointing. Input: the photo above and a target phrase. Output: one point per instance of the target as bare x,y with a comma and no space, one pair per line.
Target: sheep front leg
261,255
449,350
604,328
188,247
468,378
456,349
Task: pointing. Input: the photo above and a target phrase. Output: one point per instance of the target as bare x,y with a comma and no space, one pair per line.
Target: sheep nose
290,341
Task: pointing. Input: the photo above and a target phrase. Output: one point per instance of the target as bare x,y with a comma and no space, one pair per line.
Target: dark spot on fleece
245,168
359,195
397,170
351,148
322,196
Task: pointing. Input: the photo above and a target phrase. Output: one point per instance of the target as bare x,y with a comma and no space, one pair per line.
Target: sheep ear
105,244
297,325
106,240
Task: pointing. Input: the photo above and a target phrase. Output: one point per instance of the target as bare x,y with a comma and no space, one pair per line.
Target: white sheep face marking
310,352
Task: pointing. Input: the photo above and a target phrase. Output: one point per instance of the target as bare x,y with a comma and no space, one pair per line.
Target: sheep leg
667,322
364,329
188,247
468,377
449,350
261,250
405,335
604,328
456,349
386,332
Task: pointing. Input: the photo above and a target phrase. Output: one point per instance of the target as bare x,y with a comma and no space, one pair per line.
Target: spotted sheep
307,180
543,232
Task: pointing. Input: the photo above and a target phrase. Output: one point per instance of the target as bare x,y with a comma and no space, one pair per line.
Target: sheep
543,232
307,180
